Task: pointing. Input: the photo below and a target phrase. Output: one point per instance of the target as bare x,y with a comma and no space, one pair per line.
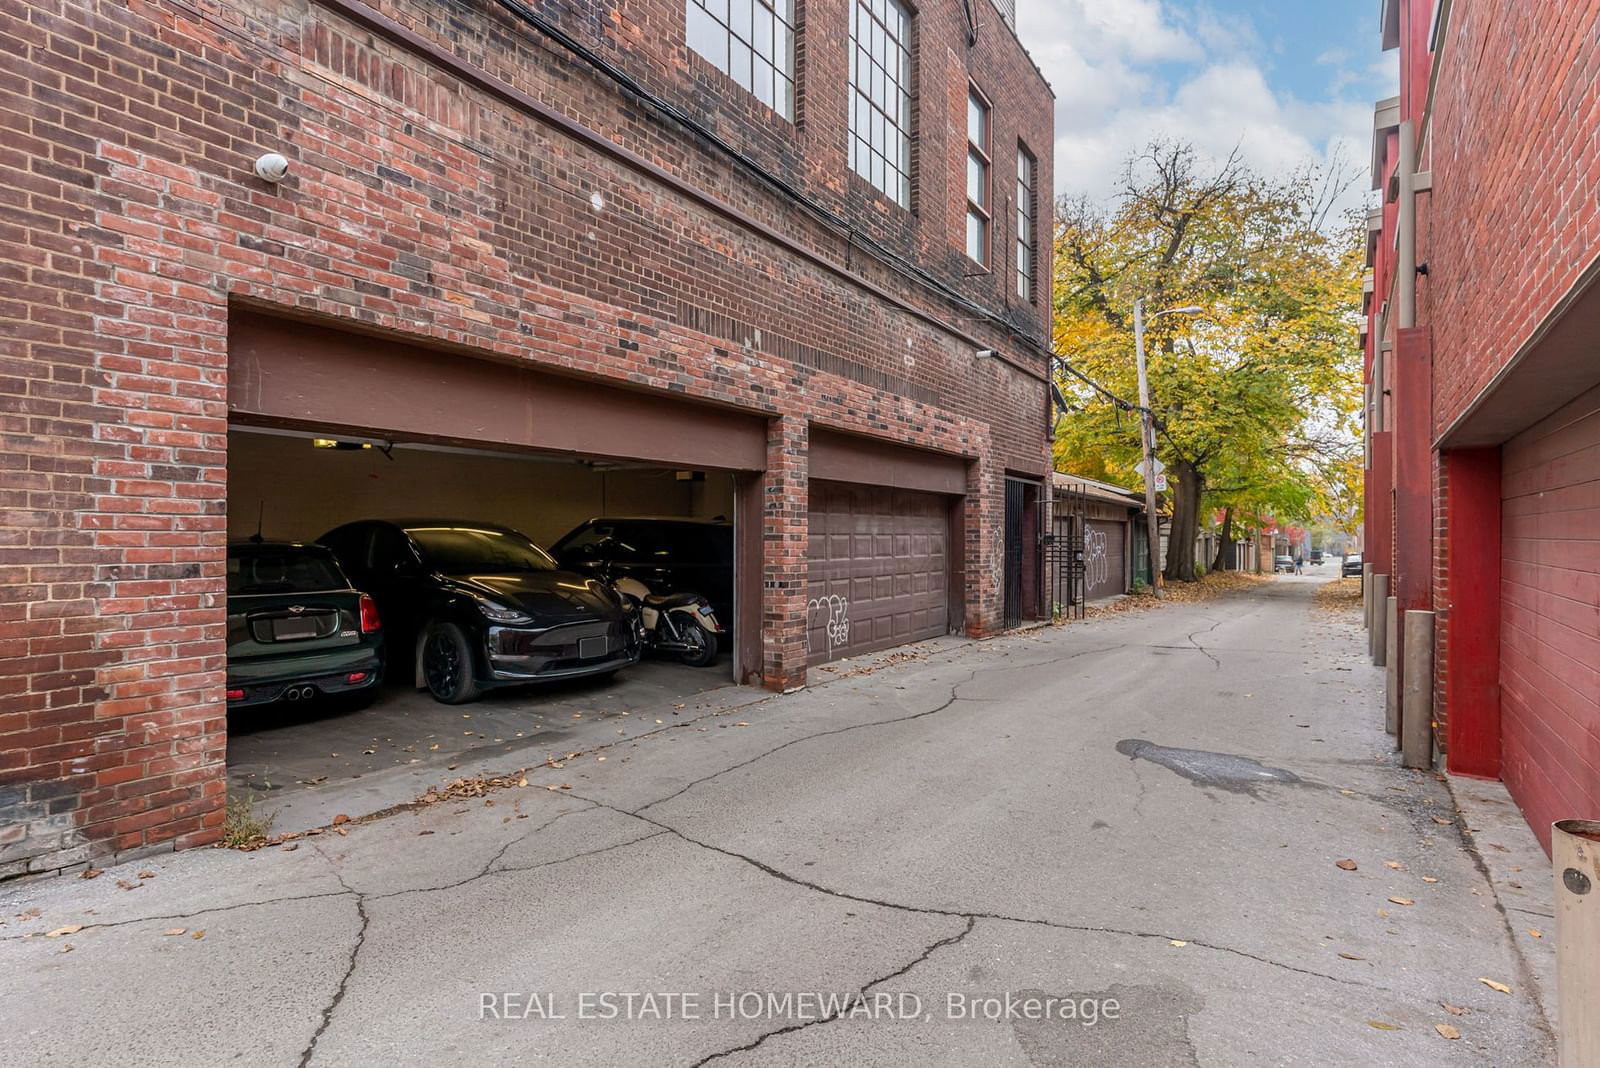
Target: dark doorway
1022,536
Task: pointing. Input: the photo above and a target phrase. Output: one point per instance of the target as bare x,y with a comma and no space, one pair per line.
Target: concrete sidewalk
1147,809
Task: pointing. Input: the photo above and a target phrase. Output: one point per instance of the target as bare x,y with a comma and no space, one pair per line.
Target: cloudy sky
1288,80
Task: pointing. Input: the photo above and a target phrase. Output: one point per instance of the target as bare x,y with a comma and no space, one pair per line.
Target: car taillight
355,677
235,695
369,615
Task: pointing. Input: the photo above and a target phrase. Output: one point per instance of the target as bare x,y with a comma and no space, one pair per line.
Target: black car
667,555
479,604
1351,566
296,627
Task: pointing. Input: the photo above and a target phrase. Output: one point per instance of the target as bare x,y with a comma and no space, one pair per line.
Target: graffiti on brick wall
836,626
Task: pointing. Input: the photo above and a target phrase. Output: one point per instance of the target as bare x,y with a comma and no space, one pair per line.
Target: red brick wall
1513,158
428,208
1550,616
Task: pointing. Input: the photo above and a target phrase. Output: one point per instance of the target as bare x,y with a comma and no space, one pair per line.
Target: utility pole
1147,439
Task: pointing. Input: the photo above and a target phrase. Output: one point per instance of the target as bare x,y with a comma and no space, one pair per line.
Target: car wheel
447,664
702,644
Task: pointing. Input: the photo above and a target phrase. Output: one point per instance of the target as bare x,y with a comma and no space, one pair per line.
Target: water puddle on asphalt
1224,771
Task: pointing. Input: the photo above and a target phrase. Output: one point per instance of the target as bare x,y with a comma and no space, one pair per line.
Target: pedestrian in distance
1299,562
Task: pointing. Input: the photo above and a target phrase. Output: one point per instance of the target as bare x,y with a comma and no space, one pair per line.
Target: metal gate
1064,552
1016,510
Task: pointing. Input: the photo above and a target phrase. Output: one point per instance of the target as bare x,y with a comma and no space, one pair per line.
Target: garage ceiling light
335,443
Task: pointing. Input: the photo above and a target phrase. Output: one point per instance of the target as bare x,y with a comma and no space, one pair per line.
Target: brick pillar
983,523
1471,653
785,524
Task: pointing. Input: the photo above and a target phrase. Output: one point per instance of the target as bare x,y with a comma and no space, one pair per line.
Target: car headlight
499,613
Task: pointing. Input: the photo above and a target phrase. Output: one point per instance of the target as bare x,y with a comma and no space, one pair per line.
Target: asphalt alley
1144,810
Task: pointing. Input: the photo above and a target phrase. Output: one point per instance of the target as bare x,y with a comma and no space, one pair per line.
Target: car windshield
479,550
286,571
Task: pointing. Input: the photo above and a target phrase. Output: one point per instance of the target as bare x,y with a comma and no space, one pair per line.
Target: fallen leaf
1429,879
67,948
90,873
341,832
123,884
1380,1025
522,781
1453,1010
1492,985
1347,864
1383,914
1351,956
71,928
1442,821
1534,932
147,875
1446,1031
599,759
340,819
1395,864
741,724
1402,901
198,934
1178,943
170,931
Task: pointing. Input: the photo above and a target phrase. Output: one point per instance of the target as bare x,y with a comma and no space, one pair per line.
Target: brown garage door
1104,559
879,569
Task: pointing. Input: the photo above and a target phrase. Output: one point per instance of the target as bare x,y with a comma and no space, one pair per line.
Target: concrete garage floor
304,765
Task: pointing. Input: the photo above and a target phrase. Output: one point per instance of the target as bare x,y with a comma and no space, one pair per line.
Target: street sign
1161,482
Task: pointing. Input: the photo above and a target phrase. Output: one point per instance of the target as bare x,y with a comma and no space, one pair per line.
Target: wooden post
1575,855
1416,737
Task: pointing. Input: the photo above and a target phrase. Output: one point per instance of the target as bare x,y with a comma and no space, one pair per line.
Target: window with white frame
880,96
978,215
752,42
1025,225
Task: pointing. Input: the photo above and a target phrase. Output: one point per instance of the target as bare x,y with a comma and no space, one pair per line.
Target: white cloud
1126,72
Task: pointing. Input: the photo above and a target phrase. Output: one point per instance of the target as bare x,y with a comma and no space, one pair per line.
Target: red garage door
879,569
1104,559
1550,614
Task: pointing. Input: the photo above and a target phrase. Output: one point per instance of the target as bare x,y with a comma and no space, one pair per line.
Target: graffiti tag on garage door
1096,568
837,625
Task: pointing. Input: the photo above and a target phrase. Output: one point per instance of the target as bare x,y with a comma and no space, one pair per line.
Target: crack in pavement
190,915
518,868
1215,623
783,876
840,1013
953,698
344,980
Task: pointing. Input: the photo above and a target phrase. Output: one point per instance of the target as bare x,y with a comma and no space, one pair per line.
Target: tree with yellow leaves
1256,399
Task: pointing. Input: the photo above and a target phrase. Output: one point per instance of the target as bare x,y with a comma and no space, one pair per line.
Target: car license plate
288,630
591,648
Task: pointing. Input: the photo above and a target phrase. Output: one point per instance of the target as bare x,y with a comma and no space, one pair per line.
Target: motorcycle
681,623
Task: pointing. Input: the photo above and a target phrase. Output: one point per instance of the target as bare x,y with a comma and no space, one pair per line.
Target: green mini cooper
296,627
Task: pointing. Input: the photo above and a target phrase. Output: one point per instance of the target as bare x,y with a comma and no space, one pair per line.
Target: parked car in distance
1315,557
667,555
1283,563
297,629
1351,566
479,605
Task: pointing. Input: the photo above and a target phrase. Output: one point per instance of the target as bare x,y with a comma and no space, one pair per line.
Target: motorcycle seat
671,600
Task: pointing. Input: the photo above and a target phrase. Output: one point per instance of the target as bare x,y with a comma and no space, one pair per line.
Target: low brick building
1483,490
790,255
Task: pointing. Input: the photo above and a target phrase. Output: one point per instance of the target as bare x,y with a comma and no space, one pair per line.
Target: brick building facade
564,229
1483,496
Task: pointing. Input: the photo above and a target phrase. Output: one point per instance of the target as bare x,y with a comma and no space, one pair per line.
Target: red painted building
1483,382
652,254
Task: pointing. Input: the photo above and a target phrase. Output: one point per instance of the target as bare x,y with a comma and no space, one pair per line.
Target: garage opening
511,489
